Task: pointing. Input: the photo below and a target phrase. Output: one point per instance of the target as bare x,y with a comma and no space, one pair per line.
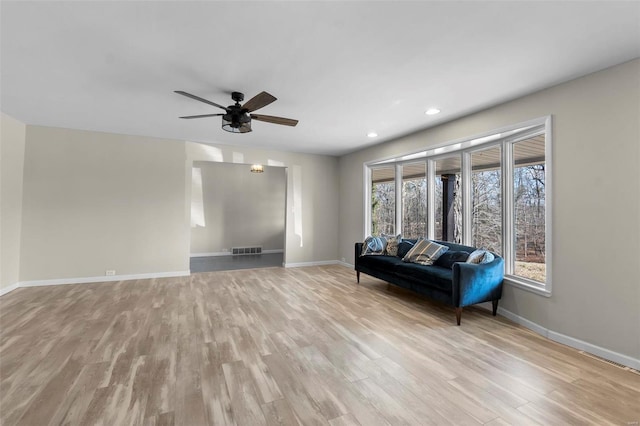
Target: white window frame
543,289
466,203
506,138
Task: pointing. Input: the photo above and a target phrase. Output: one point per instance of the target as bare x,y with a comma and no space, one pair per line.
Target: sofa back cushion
456,246
403,248
450,257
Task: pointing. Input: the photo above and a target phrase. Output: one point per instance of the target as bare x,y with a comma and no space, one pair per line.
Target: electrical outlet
110,272
225,249
343,259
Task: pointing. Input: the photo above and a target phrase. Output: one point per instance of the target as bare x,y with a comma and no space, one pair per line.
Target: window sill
528,285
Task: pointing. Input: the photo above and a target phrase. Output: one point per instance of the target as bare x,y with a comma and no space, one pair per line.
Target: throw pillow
480,256
392,244
450,257
373,246
425,252
403,248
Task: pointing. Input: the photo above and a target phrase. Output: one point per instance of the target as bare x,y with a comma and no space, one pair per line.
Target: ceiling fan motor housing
237,96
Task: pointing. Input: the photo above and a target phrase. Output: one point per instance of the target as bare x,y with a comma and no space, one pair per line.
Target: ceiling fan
237,118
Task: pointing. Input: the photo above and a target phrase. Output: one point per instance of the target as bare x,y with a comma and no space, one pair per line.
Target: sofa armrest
358,251
476,283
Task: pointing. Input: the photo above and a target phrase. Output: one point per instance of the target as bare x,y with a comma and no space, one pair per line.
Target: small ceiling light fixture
432,111
257,168
372,135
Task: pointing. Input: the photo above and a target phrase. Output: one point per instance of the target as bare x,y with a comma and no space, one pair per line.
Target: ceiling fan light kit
237,118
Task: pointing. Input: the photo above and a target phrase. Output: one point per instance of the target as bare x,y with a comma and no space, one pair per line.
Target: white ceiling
342,68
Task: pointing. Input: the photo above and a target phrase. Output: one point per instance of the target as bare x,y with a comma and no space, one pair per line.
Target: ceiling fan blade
260,100
202,116
275,120
198,98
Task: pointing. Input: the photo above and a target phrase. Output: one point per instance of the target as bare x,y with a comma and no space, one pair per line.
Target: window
486,199
414,200
491,191
529,208
448,199
383,200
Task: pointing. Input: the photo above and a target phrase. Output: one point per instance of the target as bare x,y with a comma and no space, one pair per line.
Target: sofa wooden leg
358,276
495,307
458,315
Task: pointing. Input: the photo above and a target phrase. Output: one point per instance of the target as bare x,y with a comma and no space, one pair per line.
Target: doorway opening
237,216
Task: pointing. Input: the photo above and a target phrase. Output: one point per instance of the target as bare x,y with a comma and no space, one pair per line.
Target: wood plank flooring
228,263
284,347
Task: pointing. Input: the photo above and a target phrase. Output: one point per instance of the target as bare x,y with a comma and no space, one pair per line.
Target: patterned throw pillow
480,256
373,245
392,244
425,252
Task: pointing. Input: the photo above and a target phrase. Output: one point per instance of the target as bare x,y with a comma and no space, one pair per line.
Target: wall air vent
238,251
608,361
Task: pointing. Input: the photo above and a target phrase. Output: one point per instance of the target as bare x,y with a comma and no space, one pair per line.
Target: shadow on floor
227,263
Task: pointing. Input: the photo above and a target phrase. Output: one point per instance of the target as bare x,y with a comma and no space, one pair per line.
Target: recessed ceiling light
432,111
372,134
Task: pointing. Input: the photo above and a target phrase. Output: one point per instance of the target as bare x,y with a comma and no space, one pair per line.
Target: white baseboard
595,350
228,253
345,264
317,263
524,322
8,289
571,341
100,279
212,254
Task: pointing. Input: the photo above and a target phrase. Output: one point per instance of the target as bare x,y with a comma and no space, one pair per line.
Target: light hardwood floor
286,346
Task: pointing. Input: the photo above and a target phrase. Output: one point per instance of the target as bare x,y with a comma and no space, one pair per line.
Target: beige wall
596,203
12,142
312,202
240,208
97,201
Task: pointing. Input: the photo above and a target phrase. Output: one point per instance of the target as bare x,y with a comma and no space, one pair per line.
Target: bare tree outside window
383,200
437,197
529,209
414,200
486,198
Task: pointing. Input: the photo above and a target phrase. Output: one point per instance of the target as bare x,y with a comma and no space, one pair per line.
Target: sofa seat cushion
430,276
382,262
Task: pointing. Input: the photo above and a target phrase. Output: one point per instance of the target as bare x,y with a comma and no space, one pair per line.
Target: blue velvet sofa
463,285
